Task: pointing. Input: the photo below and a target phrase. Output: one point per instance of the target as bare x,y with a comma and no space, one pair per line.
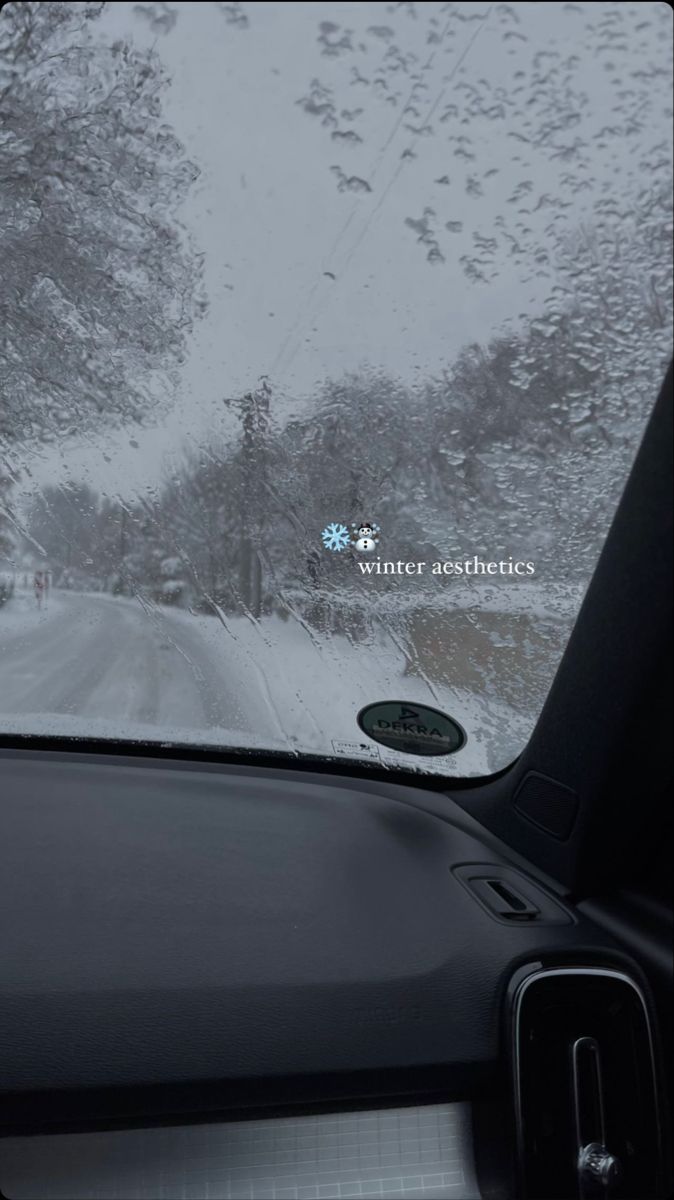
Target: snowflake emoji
335,537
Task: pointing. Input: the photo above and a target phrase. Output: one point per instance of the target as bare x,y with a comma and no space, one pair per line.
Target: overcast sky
269,214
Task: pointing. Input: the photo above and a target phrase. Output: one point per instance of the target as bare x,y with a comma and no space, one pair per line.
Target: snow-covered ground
102,667
20,615
530,598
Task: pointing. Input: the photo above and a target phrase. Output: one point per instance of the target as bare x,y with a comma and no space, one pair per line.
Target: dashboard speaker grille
550,805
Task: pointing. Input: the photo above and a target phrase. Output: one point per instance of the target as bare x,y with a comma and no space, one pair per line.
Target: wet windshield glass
329,332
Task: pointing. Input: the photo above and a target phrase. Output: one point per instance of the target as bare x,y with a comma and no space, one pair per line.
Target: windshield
329,332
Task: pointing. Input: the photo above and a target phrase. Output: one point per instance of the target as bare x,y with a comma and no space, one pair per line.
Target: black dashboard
190,941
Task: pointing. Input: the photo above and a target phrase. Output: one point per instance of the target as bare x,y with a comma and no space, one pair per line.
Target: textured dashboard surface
396,1153
187,924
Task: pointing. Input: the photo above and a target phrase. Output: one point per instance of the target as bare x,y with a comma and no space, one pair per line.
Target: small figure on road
39,587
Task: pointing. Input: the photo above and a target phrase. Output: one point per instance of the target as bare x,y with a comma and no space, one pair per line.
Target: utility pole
253,410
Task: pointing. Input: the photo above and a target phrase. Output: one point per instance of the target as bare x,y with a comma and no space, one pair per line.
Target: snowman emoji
366,537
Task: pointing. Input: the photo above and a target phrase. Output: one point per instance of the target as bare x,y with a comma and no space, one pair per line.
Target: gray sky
269,216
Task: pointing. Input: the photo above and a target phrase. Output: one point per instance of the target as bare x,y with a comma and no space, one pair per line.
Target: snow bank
546,601
234,682
302,693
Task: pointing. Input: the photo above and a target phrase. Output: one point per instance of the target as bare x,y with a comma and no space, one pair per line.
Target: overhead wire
382,198
371,173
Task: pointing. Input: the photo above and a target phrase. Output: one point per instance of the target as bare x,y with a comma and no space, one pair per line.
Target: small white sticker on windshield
355,749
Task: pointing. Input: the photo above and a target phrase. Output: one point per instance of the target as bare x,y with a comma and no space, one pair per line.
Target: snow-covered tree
99,285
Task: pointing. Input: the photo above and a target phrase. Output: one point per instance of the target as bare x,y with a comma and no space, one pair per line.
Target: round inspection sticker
411,728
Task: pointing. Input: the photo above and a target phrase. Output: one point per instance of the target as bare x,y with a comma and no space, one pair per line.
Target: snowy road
96,666
103,658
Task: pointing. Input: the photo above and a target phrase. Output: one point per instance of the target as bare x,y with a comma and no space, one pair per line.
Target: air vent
503,901
509,896
585,1087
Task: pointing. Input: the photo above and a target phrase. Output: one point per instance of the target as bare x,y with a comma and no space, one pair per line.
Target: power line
373,213
372,173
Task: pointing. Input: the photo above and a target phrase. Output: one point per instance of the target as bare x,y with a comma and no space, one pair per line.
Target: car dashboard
229,981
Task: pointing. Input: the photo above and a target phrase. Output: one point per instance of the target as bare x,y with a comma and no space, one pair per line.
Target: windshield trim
192,754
